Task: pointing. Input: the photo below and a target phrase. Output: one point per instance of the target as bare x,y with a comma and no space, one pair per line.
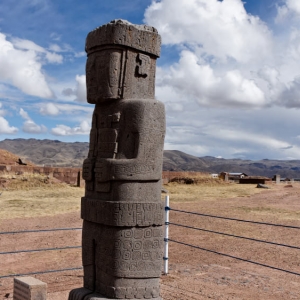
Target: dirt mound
8,158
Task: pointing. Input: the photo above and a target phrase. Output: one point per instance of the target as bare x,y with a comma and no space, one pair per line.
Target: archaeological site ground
37,204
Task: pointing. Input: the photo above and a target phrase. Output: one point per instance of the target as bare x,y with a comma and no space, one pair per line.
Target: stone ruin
122,211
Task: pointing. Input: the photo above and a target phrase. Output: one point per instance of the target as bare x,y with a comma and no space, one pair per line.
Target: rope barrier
238,258
39,250
236,236
233,219
39,230
42,272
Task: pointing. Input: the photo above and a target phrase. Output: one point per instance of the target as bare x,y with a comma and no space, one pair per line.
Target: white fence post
166,239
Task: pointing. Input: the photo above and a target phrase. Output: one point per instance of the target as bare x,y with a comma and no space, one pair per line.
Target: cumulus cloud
79,91
63,130
22,44
219,28
29,126
23,68
4,125
228,57
54,109
289,9
5,128
49,109
218,42
190,77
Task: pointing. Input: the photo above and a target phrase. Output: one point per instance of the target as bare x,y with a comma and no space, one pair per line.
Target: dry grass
209,189
39,196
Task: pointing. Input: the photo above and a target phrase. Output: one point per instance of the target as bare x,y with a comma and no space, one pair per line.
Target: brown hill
48,152
8,158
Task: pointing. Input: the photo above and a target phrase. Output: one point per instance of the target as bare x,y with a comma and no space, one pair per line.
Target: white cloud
5,128
26,45
2,112
227,56
199,81
234,132
289,9
55,48
219,28
80,54
290,94
52,109
51,57
63,130
57,108
24,114
23,69
253,138
29,125
54,57
79,91
55,36
49,109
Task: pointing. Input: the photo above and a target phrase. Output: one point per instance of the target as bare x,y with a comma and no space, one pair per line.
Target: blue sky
229,72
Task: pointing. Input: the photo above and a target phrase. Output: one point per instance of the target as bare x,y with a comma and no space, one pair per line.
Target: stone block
29,288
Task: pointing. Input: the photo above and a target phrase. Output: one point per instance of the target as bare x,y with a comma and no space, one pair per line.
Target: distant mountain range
56,153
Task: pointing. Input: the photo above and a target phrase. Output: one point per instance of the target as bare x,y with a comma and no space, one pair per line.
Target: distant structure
122,237
232,176
243,178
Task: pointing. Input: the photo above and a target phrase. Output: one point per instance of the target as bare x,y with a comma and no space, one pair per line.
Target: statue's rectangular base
85,294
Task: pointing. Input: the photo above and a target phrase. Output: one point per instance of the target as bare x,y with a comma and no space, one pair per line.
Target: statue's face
104,75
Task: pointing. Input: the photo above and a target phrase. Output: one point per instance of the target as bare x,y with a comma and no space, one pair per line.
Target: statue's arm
147,165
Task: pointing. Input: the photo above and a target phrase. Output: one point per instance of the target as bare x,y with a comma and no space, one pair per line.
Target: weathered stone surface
29,288
122,237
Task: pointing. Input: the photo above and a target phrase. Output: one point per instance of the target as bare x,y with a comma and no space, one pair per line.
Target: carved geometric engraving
122,237
115,213
129,255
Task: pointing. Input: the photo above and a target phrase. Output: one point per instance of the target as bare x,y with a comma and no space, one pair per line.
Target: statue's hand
102,170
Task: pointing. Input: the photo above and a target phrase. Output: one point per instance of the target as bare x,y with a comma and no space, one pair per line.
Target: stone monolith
122,211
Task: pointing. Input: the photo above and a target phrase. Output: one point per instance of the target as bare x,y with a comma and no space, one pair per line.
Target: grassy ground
37,196
211,190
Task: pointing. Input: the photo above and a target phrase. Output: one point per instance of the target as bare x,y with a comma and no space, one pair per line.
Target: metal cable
238,258
39,230
233,219
39,250
42,272
236,236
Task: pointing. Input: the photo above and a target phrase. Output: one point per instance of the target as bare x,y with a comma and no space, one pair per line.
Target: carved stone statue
122,237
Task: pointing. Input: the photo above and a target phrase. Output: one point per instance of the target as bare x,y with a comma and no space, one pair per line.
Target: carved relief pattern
134,252
104,74
141,292
122,214
122,237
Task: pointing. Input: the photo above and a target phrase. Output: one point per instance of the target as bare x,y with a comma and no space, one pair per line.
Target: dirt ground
193,273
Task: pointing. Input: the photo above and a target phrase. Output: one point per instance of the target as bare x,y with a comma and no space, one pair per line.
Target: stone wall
67,175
